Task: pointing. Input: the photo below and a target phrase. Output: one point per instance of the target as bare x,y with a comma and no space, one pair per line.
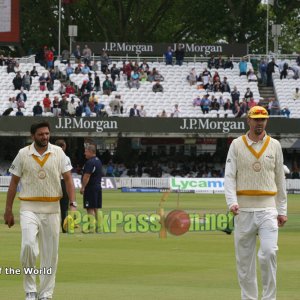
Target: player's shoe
31,296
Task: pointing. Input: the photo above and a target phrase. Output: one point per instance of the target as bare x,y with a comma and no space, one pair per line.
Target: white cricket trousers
246,227
40,235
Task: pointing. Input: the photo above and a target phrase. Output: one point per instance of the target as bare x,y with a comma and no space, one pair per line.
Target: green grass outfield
196,265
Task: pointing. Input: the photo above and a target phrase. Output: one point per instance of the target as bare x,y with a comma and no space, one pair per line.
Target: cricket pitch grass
141,265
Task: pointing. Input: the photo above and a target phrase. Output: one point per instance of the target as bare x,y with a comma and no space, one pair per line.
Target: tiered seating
285,88
176,89
34,95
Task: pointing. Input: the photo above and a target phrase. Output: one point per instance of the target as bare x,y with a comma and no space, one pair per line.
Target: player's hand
9,218
72,208
235,209
281,220
81,191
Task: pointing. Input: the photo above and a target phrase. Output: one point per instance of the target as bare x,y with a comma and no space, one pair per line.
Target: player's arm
85,181
230,180
281,196
12,190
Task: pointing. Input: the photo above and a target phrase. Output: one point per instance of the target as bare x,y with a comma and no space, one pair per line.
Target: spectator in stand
127,69
251,76
219,62
225,87
134,112
217,85
134,80
72,107
214,104
248,95
107,86
85,69
176,112
270,70
97,85
47,103
197,101
114,72
169,56
285,112
163,114
211,62
37,110
274,107
144,66
55,107
228,105
79,110
69,70
243,108
104,60
26,81
49,56
235,95
21,96
17,68
17,81
12,103
206,76
8,111
143,76
251,103
205,104
20,103
143,112
87,54
19,113
243,66
296,95
49,82
179,55
43,81
65,56
69,89
10,68
77,54
192,77
228,64
63,105
284,70
216,77
34,72
157,87
87,110
263,71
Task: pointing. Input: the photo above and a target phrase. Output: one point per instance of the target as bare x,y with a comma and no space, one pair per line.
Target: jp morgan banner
150,49
141,127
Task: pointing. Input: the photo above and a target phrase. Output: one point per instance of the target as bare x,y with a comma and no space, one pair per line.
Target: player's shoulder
275,142
56,149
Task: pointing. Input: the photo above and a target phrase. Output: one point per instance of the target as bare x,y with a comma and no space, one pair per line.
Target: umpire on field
256,194
91,181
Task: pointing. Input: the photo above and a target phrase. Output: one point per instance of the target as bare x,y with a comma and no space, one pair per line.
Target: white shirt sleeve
16,166
66,164
281,196
230,177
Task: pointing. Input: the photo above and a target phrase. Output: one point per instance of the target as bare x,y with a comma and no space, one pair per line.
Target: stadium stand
177,89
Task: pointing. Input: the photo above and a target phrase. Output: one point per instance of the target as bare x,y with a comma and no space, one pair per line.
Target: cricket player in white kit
256,194
38,167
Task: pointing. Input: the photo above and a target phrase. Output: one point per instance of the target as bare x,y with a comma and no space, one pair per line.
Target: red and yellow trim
41,162
255,193
41,199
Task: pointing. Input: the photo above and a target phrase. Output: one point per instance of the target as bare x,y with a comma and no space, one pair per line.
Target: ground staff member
39,167
255,192
91,181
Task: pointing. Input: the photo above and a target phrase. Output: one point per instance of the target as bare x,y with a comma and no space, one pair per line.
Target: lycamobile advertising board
197,185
